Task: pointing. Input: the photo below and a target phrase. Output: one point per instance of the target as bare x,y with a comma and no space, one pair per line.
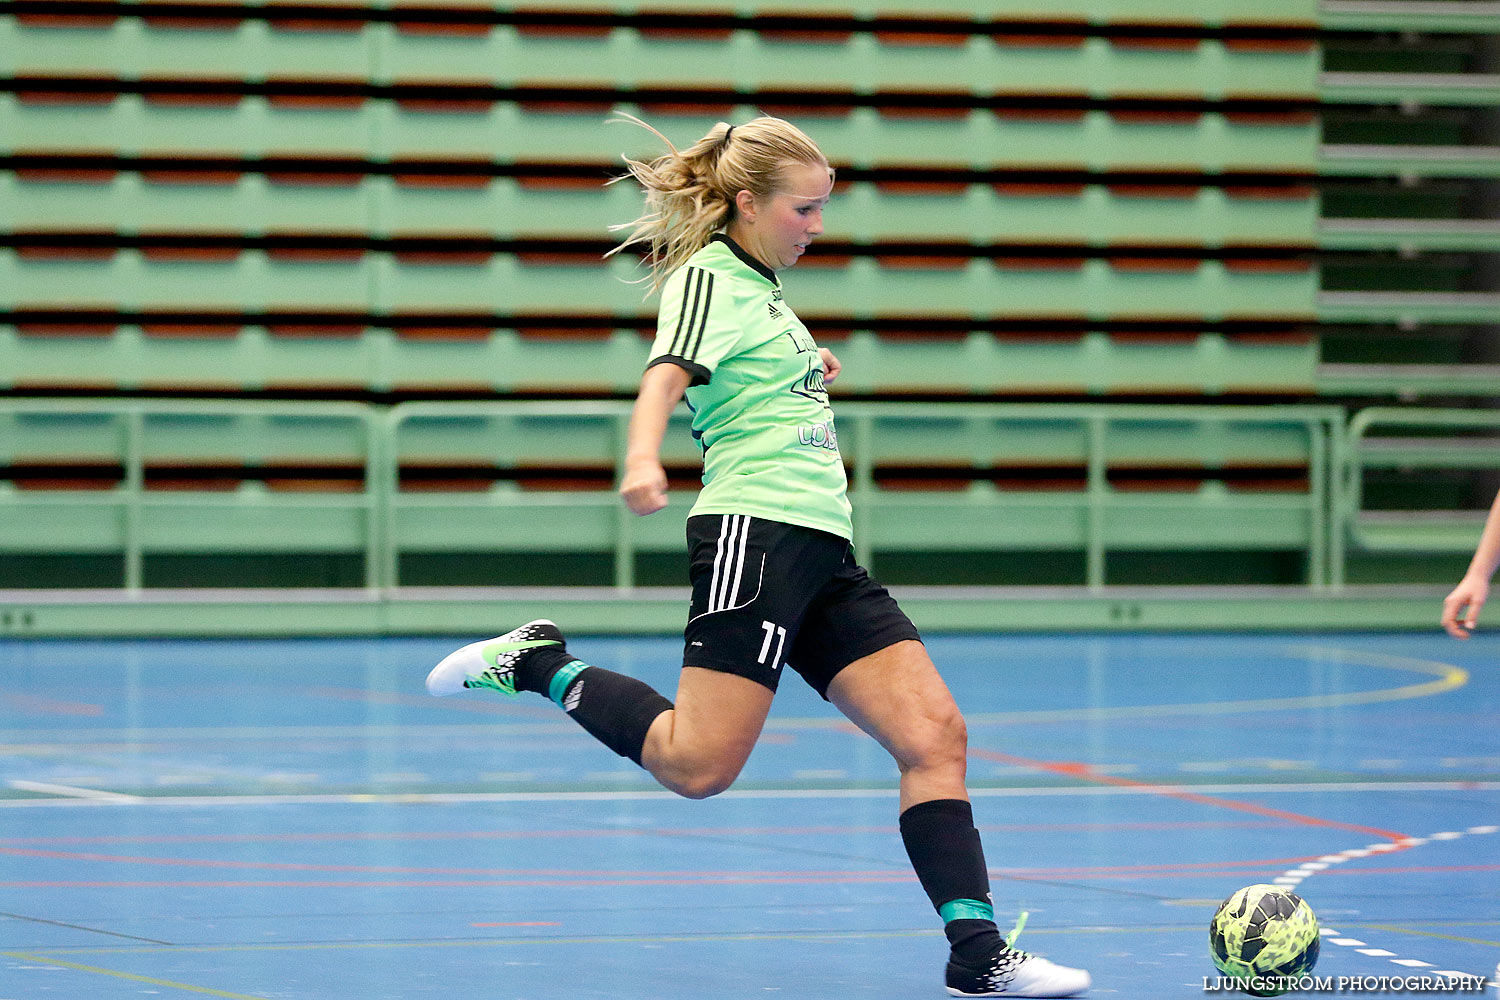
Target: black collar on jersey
744,255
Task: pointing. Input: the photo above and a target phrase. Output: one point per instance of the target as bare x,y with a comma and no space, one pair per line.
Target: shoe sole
1026,996
1029,996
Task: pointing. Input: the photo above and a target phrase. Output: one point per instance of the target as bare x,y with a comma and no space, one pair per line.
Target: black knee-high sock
614,709
945,850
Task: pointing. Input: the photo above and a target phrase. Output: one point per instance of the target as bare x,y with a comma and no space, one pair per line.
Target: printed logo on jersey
776,297
819,435
812,385
802,340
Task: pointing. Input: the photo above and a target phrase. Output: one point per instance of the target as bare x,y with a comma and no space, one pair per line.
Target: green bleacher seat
511,55
505,208
1090,139
256,280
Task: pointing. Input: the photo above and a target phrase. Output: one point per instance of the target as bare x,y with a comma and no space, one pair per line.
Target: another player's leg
897,696
695,748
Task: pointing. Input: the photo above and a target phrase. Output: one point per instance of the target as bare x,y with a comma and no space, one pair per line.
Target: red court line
594,873
32,705
533,877
398,869
1411,870
1086,772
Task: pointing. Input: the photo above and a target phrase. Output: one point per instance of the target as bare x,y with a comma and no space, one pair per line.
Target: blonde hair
690,194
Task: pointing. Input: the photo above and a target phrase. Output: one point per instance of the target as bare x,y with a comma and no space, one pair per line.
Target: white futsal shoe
1011,972
492,663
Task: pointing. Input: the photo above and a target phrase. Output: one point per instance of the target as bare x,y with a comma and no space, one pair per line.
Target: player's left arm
831,366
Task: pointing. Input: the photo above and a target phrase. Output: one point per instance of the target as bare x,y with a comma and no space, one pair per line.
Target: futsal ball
1265,938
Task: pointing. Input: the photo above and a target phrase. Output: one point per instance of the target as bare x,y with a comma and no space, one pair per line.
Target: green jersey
760,409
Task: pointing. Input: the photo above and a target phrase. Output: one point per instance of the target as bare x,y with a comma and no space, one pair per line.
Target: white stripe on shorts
729,561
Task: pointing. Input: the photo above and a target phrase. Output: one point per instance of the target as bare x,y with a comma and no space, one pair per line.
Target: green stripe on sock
563,679
966,909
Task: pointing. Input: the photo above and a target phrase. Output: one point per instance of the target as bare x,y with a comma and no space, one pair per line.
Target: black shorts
767,594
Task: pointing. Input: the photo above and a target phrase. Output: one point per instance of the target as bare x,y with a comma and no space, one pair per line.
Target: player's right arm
644,484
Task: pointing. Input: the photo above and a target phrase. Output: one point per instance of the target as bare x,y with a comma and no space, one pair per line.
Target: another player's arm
1469,596
644,484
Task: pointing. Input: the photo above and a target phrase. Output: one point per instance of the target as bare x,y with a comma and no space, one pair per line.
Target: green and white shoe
492,663
1010,972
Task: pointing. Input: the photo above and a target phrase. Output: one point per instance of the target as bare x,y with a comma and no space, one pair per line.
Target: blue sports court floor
297,819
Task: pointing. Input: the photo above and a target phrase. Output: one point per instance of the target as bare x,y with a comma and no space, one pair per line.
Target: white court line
646,794
1308,869
73,792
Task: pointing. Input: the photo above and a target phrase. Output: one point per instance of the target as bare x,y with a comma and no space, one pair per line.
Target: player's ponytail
690,193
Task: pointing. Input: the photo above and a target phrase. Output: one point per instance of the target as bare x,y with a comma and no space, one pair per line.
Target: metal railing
369,514
126,438
1413,441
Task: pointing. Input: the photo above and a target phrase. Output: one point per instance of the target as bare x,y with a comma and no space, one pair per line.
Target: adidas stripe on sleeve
696,328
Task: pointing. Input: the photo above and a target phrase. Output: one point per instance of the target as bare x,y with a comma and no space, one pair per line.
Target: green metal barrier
1417,442
977,444
141,478
1101,517
134,478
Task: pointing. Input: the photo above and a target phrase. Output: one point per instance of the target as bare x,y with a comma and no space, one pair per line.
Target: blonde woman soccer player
774,580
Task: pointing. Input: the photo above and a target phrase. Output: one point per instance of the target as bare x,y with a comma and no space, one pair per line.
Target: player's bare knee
942,743
701,776
705,782
958,733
